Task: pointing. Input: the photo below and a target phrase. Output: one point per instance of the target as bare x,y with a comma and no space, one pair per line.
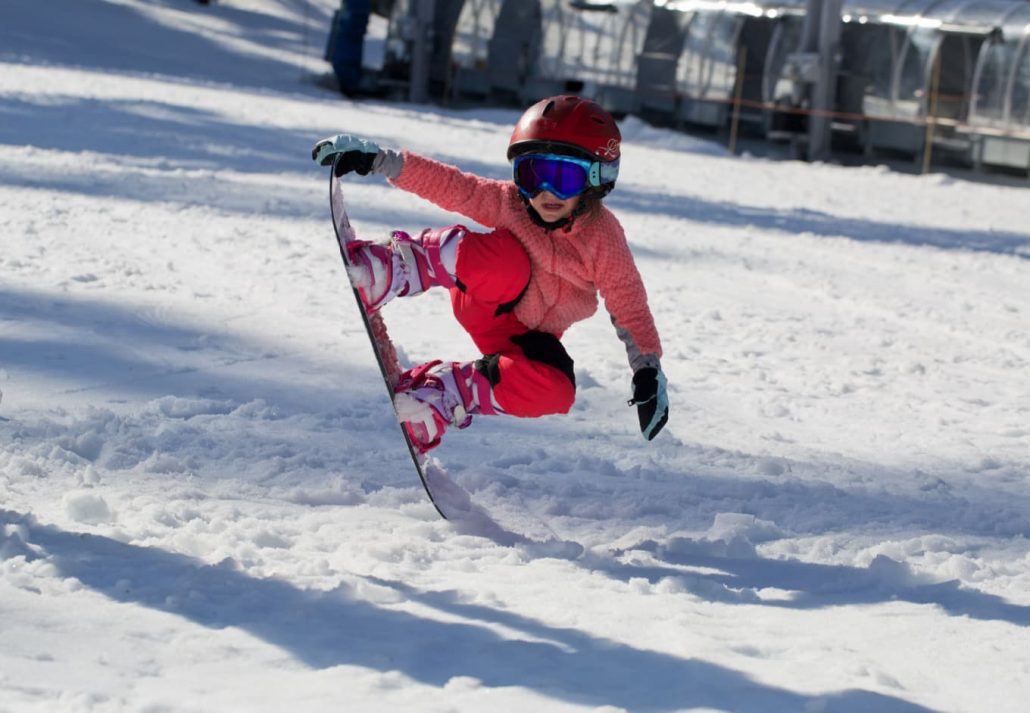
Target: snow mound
640,133
87,508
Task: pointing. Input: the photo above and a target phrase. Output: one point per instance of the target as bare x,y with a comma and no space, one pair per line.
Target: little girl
553,247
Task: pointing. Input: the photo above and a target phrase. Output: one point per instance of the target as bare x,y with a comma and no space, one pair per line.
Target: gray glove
349,153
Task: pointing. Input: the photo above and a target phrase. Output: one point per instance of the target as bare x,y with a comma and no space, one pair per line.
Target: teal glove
651,399
355,154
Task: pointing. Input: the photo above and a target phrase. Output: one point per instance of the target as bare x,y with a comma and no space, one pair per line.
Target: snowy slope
205,504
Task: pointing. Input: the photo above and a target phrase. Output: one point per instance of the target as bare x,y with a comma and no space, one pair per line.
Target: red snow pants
530,371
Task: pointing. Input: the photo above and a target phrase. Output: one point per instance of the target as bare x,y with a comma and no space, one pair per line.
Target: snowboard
382,346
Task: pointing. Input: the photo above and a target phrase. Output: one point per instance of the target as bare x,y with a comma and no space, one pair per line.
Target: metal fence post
823,96
931,112
421,49
737,92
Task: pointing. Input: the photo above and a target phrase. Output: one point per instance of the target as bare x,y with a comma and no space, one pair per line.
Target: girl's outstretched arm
475,197
447,186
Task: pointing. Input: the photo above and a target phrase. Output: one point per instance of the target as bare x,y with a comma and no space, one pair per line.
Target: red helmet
567,125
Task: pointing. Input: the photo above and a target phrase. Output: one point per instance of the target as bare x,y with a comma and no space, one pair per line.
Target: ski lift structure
695,50
470,50
481,49
409,30
999,110
590,49
940,75
908,76
494,49
517,51
961,67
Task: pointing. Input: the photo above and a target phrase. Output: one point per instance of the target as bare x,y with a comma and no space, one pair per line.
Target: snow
205,504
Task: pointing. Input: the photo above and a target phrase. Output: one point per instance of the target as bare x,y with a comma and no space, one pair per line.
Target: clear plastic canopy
967,61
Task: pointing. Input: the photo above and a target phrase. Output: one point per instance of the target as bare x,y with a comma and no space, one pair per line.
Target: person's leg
530,372
533,377
403,266
489,273
525,373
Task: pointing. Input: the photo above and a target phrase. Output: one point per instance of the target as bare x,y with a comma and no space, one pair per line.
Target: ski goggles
563,176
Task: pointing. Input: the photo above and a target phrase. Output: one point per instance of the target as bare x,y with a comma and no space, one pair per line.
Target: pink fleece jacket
569,269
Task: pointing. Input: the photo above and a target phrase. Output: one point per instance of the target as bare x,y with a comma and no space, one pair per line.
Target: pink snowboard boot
403,265
435,395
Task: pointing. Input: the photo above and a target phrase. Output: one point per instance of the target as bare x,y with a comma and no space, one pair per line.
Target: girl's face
552,208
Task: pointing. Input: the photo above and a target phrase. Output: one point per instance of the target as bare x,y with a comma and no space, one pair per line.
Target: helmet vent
548,109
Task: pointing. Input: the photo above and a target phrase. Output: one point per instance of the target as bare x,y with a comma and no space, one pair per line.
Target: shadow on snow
325,629
183,386
163,152
803,220
123,38
812,586
95,346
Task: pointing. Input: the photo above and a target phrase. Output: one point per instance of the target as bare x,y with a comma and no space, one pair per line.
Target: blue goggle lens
564,176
